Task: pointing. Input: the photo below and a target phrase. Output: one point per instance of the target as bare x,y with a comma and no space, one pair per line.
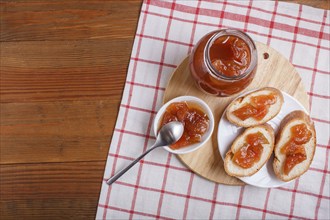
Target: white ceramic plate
227,132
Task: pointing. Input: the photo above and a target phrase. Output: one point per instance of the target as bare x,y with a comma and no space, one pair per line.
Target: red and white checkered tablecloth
160,186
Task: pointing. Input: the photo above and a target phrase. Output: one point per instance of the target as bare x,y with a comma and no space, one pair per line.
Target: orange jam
258,108
251,151
195,122
223,62
294,149
230,55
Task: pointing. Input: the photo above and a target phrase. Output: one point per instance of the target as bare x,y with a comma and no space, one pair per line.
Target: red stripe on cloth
214,200
167,40
186,205
321,120
130,211
192,36
266,204
153,62
304,193
271,24
312,69
247,17
295,33
222,14
320,170
293,198
323,146
179,194
146,86
171,193
321,33
250,31
322,184
239,205
288,28
272,212
240,17
138,109
134,133
166,16
126,112
151,163
206,200
269,12
319,96
204,11
160,202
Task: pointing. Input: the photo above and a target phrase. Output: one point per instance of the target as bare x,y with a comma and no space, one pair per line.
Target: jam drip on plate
257,108
195,122
294,149
251,151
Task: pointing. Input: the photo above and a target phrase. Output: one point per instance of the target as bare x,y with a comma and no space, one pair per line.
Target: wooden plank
51,180
57,131
64,208
50,190
63,70
67,20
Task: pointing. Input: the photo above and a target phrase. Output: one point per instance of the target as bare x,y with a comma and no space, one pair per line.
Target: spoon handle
120,173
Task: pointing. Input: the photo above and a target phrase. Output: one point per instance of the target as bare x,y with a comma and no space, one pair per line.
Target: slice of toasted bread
232,168
283,136
273,110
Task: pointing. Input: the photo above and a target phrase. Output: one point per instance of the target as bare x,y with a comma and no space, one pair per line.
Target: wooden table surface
63,68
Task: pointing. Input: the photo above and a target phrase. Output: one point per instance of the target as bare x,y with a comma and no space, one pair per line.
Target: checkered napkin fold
160,186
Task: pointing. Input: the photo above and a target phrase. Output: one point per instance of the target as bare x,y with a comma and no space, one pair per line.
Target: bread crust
240,123
258,165
277,164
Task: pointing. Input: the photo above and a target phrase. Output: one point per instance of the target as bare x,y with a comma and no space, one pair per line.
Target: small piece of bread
283,136
273,110
232,168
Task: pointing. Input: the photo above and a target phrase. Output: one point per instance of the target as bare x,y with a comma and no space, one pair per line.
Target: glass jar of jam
224,62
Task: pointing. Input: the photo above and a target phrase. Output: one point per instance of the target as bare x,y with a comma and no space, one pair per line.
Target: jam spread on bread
257,108
294,149
251,151
195,122
230,55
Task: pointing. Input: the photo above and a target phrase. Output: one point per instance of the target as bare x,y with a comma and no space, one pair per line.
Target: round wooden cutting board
273,70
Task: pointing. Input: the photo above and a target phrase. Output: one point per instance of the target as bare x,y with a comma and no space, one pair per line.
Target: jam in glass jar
224,62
